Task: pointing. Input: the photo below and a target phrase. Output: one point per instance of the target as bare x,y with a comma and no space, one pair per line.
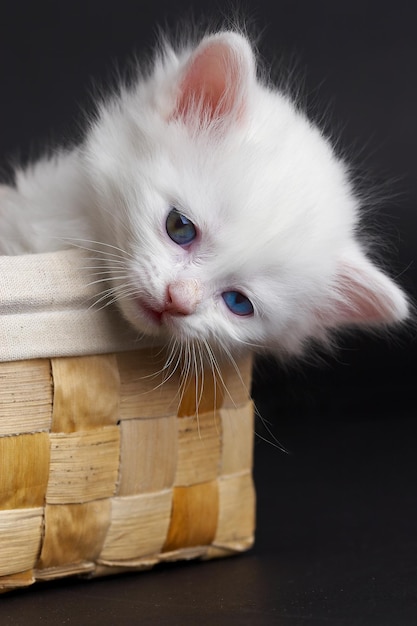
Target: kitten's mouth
181,299
153,315
157,317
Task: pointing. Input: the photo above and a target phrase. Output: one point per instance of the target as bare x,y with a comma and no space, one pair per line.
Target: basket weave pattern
105,469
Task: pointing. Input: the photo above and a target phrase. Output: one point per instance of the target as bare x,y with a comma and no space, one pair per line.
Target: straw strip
110,568
195,552
194,516
25,397
24,470
237,379
199,441
86,392
237,428
20,538
144,393
16,581
71,569
148,455
74,533
139,526
84,465
201,394
236,511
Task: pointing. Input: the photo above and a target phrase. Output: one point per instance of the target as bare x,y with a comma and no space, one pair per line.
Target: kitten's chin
153,316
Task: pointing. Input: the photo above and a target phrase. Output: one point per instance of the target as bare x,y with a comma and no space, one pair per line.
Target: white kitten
221,213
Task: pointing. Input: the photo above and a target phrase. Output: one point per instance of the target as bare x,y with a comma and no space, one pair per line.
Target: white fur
275,211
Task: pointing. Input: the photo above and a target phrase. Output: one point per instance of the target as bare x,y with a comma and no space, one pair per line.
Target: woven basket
103,468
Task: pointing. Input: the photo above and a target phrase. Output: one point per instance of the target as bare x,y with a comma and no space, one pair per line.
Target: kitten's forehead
259,203
268,194
278,170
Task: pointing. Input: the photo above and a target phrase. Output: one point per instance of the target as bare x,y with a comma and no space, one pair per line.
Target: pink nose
183,296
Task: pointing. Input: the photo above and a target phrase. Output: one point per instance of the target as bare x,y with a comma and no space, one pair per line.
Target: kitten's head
231,218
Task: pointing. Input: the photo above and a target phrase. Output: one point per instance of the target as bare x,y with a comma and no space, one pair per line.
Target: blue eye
237,303
179,228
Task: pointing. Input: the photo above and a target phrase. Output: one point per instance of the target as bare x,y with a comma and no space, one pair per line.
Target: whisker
104,266
272,443
236,368
185,370
210,358
116,295
199,351
171,349
106,280
249,344
119,218
197,389
78,244
216,369
275,442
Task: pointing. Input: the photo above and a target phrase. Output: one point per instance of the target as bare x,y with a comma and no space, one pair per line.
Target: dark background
337,520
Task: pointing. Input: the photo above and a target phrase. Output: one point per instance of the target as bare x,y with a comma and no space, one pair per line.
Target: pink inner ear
212,82
359,304
366,296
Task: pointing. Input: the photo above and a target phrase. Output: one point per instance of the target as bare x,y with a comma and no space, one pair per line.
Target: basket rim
46,309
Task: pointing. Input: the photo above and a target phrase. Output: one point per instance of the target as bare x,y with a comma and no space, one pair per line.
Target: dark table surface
337,515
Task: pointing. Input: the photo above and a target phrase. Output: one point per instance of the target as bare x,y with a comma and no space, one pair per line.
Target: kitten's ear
363,295
216,80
